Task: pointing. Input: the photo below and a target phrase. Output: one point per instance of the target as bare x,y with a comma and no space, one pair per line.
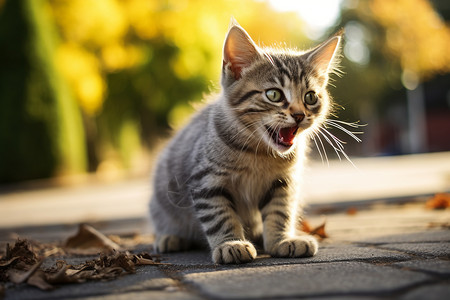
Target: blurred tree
417,36
389,45
40,125
135,66
114,77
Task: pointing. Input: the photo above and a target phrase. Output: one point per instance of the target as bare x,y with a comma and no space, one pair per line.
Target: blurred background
93,87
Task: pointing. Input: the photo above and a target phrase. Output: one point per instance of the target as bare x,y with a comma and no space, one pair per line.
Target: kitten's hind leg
171,243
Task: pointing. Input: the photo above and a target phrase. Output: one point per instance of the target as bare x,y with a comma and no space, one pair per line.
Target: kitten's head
277,94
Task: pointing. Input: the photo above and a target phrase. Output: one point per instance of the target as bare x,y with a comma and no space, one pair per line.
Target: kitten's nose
298,117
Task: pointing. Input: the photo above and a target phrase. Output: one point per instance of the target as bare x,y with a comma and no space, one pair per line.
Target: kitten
230,178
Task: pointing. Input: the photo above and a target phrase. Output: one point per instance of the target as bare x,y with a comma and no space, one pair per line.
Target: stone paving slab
146,295
334,253
439,249
433,266
356,262
424,236
429,292
345,278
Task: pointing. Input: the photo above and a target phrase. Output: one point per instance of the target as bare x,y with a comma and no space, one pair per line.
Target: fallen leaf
351,211
318,231
39,280
22,262
61,276
305,227
8,262
439,201
16,276
22,250
145,259
90,240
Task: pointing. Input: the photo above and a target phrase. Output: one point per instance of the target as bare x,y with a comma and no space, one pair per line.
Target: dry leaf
318,231
39,280
90,240
305,227
21,249
21,263
20,277
61,276
144,258
439,201
351,211
8,262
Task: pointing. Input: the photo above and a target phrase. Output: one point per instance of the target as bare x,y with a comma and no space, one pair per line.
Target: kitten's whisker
338,144
317,147
350,133
337,141
350,124
337,150
323,147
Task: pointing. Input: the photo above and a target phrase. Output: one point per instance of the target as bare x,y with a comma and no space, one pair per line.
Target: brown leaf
125,262
8,262
39,280
16,276
144,258
320,231
88,238
145,261
351,211
61,276
439,201
21,249
108,266
305,227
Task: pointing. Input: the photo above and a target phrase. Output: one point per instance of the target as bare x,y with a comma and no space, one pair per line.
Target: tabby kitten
230,178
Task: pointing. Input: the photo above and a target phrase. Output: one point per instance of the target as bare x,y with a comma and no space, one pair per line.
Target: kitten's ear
239,50
324,58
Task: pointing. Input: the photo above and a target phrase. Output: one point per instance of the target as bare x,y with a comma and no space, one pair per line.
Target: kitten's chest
253,183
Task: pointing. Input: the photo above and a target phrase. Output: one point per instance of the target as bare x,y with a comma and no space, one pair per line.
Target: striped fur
229,179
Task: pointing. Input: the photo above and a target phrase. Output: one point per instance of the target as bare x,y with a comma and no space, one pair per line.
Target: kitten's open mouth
283,137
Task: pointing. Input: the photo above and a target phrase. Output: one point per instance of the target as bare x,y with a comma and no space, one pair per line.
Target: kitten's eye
274,95
311,98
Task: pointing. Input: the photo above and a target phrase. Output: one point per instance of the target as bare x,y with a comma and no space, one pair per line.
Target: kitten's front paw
170,243
234,252
300,246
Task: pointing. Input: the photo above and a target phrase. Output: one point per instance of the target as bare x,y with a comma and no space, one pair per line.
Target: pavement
383,242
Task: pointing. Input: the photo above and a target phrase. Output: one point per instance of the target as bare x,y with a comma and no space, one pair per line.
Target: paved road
94,200
379,249
394,251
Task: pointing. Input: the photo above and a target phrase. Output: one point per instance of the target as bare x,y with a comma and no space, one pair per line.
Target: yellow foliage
141,16
415,34
89,22
94,32
117,56
82,72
